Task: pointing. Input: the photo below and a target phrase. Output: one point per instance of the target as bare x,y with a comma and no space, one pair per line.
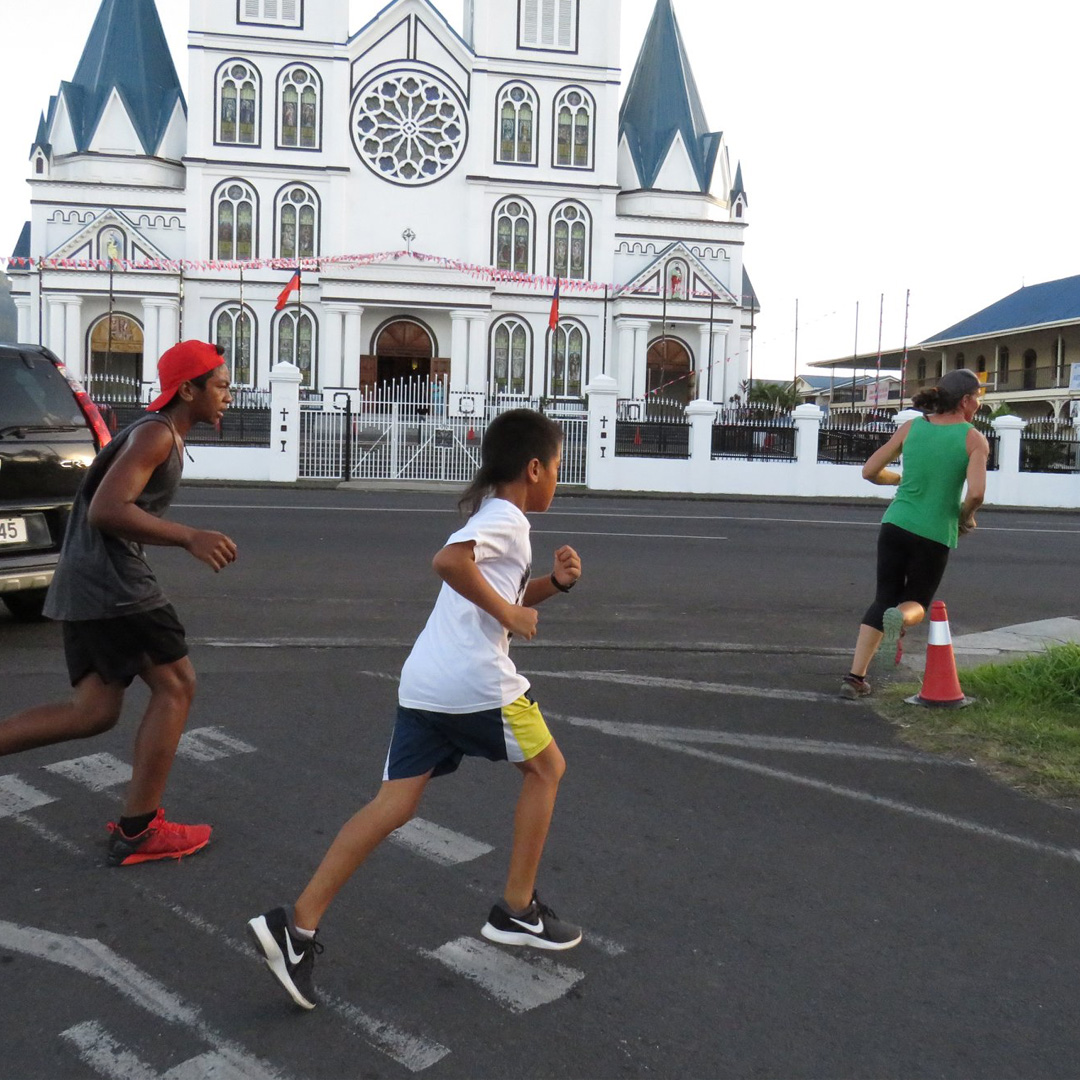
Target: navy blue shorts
432,742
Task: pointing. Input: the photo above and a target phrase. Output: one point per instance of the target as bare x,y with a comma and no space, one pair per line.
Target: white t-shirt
461,660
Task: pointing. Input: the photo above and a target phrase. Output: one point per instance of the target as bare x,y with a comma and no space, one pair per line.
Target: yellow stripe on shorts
524,730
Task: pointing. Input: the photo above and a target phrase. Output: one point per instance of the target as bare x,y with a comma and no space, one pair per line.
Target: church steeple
127,56
662,108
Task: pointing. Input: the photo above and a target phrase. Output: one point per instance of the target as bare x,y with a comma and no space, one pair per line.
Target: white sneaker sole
510,937
275,961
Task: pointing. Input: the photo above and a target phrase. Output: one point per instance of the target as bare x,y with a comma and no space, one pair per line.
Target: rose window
409,128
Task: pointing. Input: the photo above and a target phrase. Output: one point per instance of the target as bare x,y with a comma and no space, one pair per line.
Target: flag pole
904,361
877,374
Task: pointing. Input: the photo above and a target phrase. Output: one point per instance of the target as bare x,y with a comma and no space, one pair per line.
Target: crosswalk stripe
443,846
516,983
210,744
16,796
98,772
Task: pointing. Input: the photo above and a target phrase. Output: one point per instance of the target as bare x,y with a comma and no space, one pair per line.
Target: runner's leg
94,707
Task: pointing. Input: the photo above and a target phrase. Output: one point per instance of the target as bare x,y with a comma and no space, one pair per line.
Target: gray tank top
102,576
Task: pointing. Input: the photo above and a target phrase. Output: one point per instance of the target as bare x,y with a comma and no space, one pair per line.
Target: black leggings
909,567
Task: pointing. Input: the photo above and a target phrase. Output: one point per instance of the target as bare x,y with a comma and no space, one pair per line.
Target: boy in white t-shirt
461,694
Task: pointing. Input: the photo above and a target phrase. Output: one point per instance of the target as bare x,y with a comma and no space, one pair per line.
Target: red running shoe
161,839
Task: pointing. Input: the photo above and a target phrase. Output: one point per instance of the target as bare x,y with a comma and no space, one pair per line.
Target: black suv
49,434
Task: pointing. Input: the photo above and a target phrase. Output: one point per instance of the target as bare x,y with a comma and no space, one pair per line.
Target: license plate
12,530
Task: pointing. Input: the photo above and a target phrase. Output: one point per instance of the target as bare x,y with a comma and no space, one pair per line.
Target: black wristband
561,588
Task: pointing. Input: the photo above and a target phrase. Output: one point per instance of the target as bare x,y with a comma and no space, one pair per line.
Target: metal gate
408,431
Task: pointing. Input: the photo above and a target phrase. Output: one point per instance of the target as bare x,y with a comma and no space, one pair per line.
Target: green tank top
927,502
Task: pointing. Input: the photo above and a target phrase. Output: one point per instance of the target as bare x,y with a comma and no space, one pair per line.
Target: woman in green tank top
942,452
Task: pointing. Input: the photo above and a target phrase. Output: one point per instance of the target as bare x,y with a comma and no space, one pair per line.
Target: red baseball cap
182,362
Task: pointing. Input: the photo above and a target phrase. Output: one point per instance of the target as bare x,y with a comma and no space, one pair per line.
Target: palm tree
773,395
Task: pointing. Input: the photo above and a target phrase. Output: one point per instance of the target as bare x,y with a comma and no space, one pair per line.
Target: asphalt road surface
770,884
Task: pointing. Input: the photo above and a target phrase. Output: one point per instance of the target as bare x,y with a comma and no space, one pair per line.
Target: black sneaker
538,926
289,958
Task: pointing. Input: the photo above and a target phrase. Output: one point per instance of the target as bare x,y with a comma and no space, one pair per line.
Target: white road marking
517,983
16,796
98,772
91,957
109,1058
98,1049
210,744
746,519
622,679
604,944
443,846
627,535
413,1051
630,731
657,734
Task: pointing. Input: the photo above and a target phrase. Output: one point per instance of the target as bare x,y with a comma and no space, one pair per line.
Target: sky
927,146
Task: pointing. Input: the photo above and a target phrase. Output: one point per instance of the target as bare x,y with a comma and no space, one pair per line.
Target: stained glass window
568,359
510,356
238,104
232,330
513,236
517,110
570,241
296,344
300,92
573,129
297,223
234,219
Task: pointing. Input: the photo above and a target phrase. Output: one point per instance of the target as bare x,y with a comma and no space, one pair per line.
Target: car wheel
25,606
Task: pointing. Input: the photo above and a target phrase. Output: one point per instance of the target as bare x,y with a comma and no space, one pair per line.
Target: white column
624,361
721,389
151,338
24,311
740,370
602,471
168,325
459,351
57,342
350,363
1007,476
704,369
331,340
640,378
73,345
478,354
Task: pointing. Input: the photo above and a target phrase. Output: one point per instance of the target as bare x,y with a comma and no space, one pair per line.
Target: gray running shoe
537,926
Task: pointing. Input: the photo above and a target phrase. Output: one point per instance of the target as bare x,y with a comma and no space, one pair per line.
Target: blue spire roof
126,51
1035,305
22,248
662,99
737,188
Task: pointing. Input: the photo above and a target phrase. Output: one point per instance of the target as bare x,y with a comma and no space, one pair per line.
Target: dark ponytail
951,389
511,441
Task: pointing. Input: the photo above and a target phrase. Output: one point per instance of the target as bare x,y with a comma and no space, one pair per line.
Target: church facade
505,146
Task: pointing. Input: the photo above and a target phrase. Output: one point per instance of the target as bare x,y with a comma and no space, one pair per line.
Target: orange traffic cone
941,685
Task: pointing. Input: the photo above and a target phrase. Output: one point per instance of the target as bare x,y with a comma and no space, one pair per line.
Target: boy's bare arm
566,572
456,565
113,509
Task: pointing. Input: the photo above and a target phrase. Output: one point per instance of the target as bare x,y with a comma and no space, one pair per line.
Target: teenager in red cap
117,622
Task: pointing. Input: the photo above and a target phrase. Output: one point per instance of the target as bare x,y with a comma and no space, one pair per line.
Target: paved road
770,884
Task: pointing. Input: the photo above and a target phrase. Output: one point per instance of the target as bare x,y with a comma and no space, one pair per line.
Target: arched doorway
116,353
668,365
403,349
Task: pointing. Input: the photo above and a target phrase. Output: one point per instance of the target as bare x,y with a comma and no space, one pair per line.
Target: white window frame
225,75
585,107
512,324
563,331
530,99
286,202
548,24
235,313
285,80
528,216
271,12
584,219
291,316
221,195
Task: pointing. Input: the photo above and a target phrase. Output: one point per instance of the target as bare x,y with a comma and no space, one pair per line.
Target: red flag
553,318
293,286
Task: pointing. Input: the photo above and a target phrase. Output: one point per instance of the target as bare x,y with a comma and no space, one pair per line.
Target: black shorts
121,648
909,568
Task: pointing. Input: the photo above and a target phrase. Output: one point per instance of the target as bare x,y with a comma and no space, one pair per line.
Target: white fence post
600,453
807,436
701,414
1009,430
285,382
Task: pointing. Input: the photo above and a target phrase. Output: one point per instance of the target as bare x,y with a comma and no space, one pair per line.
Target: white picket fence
416,430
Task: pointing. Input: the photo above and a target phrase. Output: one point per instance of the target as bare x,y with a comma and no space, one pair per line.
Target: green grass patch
1024,725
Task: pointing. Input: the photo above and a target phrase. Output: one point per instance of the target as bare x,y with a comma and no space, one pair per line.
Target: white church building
304,142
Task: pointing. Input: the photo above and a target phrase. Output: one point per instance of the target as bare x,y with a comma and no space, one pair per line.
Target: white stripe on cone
939,633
